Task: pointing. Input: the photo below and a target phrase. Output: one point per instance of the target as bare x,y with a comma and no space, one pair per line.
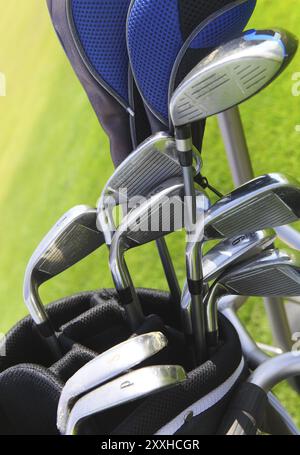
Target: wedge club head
131,387
107,366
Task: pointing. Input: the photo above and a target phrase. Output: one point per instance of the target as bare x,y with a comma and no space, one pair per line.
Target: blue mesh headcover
100,28
159,30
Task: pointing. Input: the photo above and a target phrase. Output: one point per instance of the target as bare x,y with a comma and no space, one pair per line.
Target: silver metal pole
240,164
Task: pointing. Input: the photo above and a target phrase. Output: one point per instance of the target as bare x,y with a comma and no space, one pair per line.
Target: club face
232,74
128,388
266,202
238,249
155,161
73,237
273,273
162,213
107,366
226,254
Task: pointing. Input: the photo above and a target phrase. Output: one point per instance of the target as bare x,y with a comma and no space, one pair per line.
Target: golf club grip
246,413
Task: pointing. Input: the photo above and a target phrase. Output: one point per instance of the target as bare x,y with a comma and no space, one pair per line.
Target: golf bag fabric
90,323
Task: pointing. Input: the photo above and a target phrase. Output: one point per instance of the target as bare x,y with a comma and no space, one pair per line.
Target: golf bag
89,324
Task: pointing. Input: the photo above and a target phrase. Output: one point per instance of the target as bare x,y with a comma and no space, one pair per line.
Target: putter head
153,162
73,237
223,256
107,366
126,389
266,202
231,74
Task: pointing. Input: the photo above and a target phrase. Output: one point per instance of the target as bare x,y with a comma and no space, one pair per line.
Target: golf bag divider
41,384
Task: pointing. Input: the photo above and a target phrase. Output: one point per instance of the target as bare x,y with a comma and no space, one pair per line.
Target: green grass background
54,155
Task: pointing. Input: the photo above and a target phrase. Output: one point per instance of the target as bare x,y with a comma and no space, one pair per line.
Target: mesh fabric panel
101,26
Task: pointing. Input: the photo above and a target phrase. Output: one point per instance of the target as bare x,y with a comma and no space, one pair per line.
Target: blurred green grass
53,155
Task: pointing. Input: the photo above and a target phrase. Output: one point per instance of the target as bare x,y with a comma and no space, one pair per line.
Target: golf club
107,366
223,256
230,75
160,214
73,237
268,201
153,162
272,273
131,387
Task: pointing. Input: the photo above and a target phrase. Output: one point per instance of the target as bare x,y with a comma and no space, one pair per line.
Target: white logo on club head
2,84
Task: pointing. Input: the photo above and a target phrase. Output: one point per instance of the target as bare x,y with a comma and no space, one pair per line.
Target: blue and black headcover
93,35
166,39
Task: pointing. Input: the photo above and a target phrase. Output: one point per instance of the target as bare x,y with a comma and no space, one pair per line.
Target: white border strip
203,404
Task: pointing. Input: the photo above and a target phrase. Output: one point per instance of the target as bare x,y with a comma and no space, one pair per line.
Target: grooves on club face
107,366
268,201
152,163
231,74
131,387
73,237
272,273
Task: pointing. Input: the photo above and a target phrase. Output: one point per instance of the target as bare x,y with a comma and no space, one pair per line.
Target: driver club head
72,238
231,74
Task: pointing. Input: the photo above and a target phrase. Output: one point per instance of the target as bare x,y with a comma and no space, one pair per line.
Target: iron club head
107,366
73,237
131,387
272,273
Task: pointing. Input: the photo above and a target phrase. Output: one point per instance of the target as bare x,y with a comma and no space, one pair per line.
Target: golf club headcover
94,39
167,39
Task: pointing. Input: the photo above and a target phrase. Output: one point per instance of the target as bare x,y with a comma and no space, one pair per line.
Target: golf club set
130,361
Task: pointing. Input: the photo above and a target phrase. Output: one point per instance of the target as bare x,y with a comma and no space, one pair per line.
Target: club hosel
216,292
